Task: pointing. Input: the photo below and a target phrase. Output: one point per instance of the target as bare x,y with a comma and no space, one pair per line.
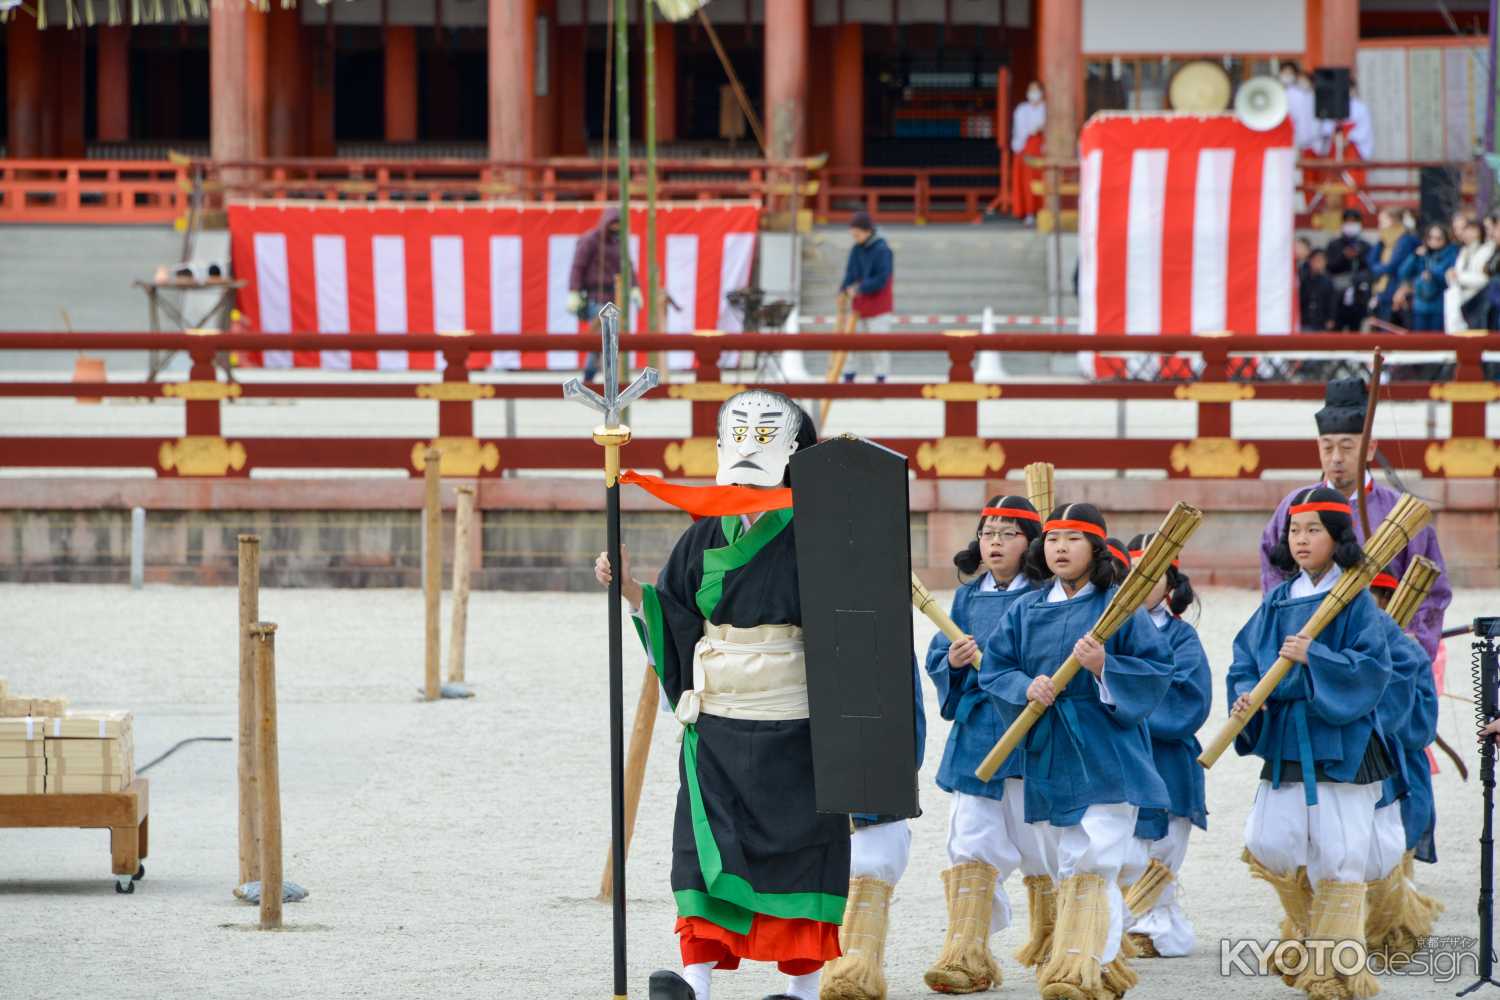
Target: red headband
1088,528
1118,554
1017,513
1137,553
1330,506
1384,580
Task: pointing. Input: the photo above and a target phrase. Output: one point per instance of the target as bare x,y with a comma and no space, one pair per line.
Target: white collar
1160,614
1303,586
1057,593
988,585
1369,485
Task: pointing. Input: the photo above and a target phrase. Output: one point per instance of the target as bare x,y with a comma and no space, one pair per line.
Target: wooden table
124,814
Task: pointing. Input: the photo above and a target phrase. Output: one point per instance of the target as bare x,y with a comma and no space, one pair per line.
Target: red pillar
285,129
68,72
666,81
1333,32
785,105
400,83
237,82
567,51
512,62
113,83
24,72
319,45
1060,57
848,145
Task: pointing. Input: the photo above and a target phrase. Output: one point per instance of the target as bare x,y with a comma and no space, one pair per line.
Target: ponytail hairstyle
1119,558
1332,508
1180,595
1083,517
969,560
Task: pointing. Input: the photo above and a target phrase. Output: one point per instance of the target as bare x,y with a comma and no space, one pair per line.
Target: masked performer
1086,766
1309,830
1159,928
757,872
984,824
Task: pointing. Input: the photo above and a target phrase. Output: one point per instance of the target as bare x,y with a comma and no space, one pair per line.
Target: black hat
862,220
1343,409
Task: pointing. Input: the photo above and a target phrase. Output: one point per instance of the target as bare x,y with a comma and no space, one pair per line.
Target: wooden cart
124,814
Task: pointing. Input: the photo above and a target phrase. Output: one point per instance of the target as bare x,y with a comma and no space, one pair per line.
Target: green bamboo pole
622,139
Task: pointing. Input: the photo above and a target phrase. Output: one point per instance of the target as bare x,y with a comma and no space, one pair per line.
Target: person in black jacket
1318,297
1348,267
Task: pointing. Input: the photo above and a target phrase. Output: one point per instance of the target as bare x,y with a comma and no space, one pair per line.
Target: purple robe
1427,626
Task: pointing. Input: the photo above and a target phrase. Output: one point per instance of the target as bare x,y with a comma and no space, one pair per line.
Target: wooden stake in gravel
268,785
458,637
433,575
249,614
635,770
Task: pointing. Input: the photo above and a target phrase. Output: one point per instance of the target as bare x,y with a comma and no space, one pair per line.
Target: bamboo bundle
1400,526
923,601
1179,525
1039,486
1416,584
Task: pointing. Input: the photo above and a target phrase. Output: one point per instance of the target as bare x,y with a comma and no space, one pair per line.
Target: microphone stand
1486,676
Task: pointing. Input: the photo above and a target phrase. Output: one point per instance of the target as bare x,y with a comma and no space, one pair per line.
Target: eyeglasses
1007,535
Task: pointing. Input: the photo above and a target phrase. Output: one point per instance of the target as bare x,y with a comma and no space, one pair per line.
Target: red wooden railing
1203,449
97,191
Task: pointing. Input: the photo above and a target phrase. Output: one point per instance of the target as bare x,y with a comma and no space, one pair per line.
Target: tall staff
611,436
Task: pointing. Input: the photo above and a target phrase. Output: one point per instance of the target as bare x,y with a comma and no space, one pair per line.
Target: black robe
747,838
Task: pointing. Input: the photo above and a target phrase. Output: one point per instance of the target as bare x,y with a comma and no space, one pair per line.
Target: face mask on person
1352,229
1034,95
1289,80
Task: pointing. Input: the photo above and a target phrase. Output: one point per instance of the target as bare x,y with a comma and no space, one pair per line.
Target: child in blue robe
1398,916
987,834
1309,830
1086,766
1159,927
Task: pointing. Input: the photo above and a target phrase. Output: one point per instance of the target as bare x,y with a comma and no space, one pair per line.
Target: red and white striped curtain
338,268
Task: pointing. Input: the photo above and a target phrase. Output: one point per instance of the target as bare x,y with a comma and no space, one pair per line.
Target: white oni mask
757,435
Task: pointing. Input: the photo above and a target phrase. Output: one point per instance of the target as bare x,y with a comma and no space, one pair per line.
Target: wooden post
433,572
249,615
635,768
458,637
263,634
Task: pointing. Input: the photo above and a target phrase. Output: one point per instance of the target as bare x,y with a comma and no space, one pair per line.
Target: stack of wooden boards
60,752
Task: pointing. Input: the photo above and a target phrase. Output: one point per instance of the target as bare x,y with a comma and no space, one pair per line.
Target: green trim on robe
731,902
740,550
653,633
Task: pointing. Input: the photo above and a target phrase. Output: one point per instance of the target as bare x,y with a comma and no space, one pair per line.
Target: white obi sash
747,673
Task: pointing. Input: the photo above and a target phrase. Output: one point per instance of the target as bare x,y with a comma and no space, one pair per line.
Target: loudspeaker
1331,92
1441,194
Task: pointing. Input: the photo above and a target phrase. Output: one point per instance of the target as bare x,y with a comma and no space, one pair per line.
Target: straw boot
1074,970
1397,917
1140,898
966,965
857,975
1338,916
1423,908
1041,898
1295,893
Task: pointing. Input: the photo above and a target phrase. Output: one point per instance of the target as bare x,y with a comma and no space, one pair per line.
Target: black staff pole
1486,710
612,436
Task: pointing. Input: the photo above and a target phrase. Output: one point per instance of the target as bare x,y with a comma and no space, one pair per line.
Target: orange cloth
712,501
797,946
1024,201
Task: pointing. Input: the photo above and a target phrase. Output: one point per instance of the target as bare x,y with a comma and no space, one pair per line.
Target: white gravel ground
454,849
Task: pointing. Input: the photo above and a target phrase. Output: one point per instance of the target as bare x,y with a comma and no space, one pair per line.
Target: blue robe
1418,809
1323,713
978,720
1081,752
1174,733
1408,660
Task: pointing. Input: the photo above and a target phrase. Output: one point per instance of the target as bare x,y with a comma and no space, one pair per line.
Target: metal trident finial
613,400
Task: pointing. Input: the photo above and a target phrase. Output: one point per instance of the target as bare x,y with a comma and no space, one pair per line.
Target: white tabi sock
697,977
804,987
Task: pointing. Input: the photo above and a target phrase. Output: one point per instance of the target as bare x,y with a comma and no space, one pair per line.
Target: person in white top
1026,129
1299,106
1468,276
1358,131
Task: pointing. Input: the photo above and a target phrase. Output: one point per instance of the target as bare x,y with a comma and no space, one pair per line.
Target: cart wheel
124,886
140,873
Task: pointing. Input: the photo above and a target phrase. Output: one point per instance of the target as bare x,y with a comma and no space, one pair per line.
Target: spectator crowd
1441,278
